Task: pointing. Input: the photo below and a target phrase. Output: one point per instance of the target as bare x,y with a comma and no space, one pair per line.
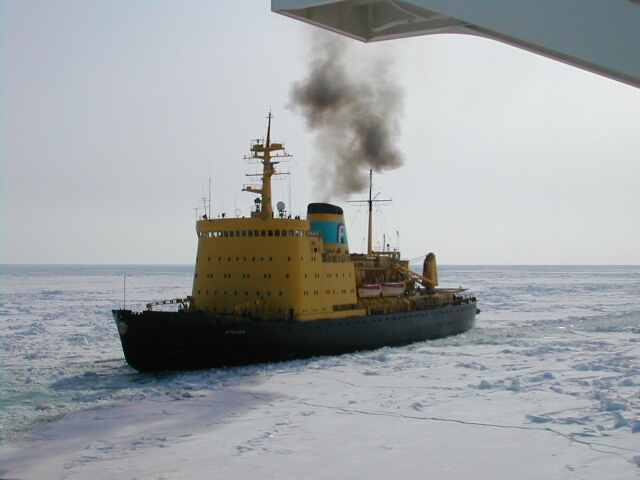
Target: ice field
546,386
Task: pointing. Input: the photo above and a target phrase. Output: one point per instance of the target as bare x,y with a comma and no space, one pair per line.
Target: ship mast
370,237
370,202
262,151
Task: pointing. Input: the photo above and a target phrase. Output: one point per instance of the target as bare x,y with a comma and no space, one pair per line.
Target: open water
60,353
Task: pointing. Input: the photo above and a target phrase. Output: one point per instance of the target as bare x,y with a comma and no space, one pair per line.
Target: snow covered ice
546,387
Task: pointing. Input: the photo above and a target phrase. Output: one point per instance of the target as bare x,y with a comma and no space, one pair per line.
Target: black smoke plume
353,105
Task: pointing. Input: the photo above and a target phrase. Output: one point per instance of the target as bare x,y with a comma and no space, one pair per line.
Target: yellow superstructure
273,268
270,268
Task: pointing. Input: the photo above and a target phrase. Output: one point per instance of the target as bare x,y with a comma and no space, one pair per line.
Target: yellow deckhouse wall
269,268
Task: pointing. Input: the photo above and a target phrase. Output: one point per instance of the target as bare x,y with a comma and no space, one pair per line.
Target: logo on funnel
342,234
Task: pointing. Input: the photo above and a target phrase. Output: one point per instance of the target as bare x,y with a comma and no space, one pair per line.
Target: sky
115,115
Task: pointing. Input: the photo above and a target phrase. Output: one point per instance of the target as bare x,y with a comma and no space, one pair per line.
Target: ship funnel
328,220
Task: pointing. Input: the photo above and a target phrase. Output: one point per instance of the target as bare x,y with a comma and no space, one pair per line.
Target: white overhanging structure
602,36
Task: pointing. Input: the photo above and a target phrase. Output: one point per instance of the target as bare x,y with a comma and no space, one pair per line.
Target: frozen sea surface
548,384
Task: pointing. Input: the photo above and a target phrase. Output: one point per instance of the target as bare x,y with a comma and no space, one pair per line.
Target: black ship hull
155,340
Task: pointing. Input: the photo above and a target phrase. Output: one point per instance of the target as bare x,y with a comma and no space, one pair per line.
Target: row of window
253,259
268,293
259,233
268,275
236,293
328,292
